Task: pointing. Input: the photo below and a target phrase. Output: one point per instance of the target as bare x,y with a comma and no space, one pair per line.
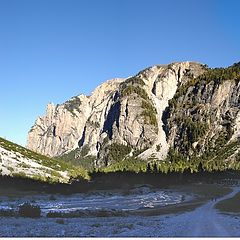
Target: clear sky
51,50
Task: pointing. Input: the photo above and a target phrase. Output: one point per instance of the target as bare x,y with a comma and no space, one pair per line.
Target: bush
195,129
29,210
149,117
60,221
71,214
134,89
149,113
133,81
128,164
73,104
7,213
53,214
79,158
52,198
117,152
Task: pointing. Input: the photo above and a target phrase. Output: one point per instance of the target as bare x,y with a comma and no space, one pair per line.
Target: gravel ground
201,222
186,224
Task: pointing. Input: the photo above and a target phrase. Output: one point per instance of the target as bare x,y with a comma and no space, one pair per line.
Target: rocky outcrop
63,128
182,106
204,114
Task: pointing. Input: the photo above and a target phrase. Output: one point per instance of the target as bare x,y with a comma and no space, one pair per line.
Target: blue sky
51,50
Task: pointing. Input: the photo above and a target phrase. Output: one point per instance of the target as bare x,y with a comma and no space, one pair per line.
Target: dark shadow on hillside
119,180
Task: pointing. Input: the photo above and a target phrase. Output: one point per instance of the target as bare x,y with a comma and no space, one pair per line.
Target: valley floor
204,220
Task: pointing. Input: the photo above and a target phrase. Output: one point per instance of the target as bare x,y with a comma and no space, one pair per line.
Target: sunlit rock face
150,113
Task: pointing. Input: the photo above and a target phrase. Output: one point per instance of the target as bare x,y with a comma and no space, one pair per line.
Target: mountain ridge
139,115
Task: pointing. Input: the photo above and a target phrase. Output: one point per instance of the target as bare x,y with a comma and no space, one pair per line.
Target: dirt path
207,220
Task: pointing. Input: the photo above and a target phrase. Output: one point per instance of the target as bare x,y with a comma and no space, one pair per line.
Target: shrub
84,151
29,210
117,152
52,198
73,104
134,89
129,164
71,214
133,80
79,159
158,147
194,129
7,213
149,117
60,221
149,113
96,225
53,214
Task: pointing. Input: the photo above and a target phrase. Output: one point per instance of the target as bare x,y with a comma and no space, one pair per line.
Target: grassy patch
132,81
79,158
208,190
129,164
55,164
41,159
72,105
230,205
149,113
128,90
135,85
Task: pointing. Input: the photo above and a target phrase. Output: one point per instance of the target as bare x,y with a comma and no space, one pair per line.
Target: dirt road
208,221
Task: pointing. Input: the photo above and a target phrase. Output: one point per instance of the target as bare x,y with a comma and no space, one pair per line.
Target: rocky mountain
16,161
181,110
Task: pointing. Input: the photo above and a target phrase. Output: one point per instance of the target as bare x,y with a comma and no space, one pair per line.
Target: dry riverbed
197,214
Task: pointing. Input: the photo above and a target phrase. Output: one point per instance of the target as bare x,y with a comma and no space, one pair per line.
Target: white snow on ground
15,163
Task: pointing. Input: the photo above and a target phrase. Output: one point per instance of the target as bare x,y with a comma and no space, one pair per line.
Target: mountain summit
181,110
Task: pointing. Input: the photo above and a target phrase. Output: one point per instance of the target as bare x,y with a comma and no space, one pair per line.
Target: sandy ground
202,221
